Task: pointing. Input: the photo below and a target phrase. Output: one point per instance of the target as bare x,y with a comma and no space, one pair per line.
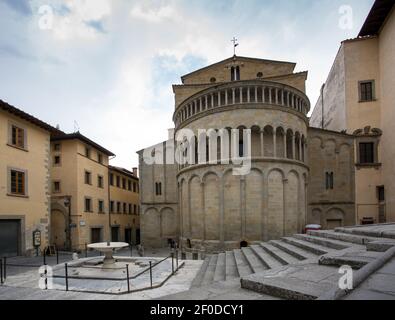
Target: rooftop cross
235,44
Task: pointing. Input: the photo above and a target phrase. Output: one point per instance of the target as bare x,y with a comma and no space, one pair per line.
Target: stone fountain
108,248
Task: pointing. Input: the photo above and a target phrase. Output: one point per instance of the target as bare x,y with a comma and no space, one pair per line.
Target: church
190,192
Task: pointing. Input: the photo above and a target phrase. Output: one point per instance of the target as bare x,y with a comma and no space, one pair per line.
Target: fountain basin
108,248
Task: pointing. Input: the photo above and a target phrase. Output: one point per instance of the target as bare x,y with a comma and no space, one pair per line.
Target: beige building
298,175
24,181
80,191
124,205
358,98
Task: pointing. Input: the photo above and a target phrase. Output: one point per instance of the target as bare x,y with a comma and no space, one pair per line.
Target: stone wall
331,152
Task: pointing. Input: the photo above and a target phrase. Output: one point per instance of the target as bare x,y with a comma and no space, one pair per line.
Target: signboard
36,238
73,225
82,223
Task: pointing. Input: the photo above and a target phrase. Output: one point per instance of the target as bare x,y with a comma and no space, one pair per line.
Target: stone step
243,268
210,271
200,275
294,282
308,246
355,262
347,237
278,254
378,231
220,269
230,265
266,258
253,260
297,252
331,244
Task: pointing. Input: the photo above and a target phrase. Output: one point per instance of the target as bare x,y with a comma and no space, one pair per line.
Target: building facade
124,205
263,105
358,98
24,182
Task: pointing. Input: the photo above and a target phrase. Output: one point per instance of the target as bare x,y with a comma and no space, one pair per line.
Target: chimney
135,172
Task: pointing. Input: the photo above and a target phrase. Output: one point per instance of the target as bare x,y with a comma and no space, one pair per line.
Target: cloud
153,11
20,6
97,25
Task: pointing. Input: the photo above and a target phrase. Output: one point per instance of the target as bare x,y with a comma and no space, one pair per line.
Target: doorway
10,238
137,236
115,234
96,235
128,235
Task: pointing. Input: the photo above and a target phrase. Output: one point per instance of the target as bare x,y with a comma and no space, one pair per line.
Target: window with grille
366,152
366,91
101,206
88,205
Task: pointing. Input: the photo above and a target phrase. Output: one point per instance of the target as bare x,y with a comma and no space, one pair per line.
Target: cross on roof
235,44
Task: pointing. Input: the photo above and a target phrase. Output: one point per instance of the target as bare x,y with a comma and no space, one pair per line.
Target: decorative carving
368,131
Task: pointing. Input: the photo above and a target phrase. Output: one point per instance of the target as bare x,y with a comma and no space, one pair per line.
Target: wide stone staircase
303,266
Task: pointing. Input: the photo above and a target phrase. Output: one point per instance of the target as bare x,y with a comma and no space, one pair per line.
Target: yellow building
124,205
358,98
24,181
80,191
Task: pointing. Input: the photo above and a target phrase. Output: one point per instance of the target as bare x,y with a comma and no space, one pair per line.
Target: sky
105,67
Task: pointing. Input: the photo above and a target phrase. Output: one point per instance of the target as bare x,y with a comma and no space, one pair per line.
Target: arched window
235,73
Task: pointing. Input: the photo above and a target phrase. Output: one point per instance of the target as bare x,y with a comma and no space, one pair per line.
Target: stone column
241,95
300,148
233,96
274,143
270,96
248,95
265,207
276,92
204,214
262,143
256,94
285,182
226,97
212,100
285,145
221,213
205,102
293,146
219,98
243,206
263,95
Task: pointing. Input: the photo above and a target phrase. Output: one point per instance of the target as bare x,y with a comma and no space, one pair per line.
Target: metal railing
68,266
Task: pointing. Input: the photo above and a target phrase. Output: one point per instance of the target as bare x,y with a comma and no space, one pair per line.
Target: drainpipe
322,106
109,198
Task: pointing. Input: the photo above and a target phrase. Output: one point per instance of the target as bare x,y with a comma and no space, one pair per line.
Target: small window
118,207
213,80
118,181
366,91
123,183
18,137
158,188
56,186
88,205
124,208
129,185
56,160
134,209
235,73
329,181
259,75
100,158
88,176
57,147
381,193
366,152
100,182
87,152
101,206
111,179
130,208
134,187
18,182
112,206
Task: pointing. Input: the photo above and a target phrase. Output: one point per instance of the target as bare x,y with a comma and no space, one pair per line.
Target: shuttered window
366,152
18,137
17,182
